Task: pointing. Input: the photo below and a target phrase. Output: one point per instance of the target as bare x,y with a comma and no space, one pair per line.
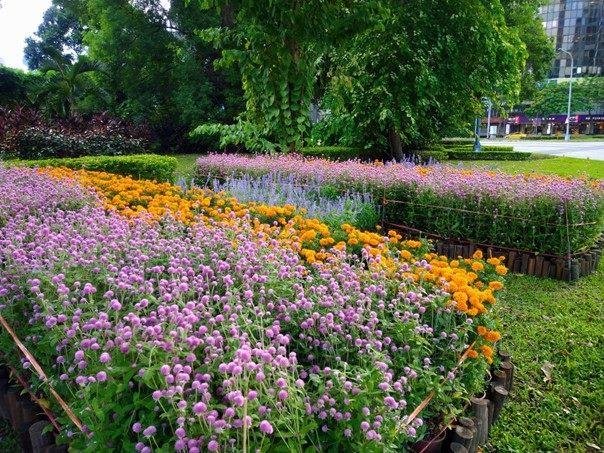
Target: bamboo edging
430,395
47,412
42,375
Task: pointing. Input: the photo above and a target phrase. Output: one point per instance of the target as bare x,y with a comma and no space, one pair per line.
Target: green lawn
186,165
563,166
547,321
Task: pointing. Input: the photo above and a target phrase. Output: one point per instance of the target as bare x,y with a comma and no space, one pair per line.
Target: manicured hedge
428,156
335,152
507,149
446,142
488,155
142,166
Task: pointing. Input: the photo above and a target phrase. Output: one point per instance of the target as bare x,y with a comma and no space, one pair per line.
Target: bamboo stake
42,375
430,395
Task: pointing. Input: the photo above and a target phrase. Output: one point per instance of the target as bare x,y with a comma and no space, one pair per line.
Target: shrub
447,142
488,155
429,156
25,134
335,152
506,149
521,211
142,166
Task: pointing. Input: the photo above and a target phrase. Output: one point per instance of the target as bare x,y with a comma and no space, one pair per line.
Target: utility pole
570,93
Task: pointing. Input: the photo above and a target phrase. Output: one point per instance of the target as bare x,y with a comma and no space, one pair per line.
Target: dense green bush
426,156
142,166
483,147
488,155
40,143
336,152
448,142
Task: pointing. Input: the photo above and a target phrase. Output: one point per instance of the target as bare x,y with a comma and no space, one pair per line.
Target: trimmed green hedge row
507,149
141,166
487,155
335,152
437,153
446,142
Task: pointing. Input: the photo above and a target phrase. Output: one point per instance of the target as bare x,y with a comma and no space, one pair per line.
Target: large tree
523,18
552,98
397,73
157,70
277,45
422,67
60,30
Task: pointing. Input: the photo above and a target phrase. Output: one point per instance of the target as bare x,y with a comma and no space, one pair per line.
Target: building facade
576,26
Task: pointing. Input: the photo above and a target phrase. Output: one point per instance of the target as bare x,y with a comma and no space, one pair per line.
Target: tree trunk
227,15
396,146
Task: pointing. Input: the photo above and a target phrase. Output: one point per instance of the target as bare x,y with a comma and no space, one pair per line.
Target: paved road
583,149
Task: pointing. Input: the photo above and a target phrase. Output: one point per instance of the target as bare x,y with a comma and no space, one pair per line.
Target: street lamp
570,93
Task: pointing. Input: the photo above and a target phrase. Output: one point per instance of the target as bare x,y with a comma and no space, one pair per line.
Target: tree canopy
552,98
389,74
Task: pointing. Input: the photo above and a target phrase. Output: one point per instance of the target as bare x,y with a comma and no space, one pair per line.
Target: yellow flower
477,255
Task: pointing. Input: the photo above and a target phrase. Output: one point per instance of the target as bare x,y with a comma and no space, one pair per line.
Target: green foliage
60,30
156,70
420,68
522,16
464,147
552,97
277,46
142,166
16,86
487,155
64,83
447,142
335,152
42,142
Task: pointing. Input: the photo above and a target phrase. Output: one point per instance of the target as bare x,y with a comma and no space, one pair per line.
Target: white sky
18,20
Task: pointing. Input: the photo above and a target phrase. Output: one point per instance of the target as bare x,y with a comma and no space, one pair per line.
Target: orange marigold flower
477,255
495,285
472,354
492,336
481,330
487,350
477,266
501,270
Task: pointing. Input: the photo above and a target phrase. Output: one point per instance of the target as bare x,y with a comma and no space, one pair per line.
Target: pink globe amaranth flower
266,427
149,431
105,357
213,446
199,408
282,394
101,376
137,427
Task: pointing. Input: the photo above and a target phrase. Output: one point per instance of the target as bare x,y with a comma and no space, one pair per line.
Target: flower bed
545,214
172,320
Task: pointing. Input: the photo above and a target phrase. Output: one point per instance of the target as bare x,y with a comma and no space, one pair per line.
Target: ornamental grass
541,213
174,320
